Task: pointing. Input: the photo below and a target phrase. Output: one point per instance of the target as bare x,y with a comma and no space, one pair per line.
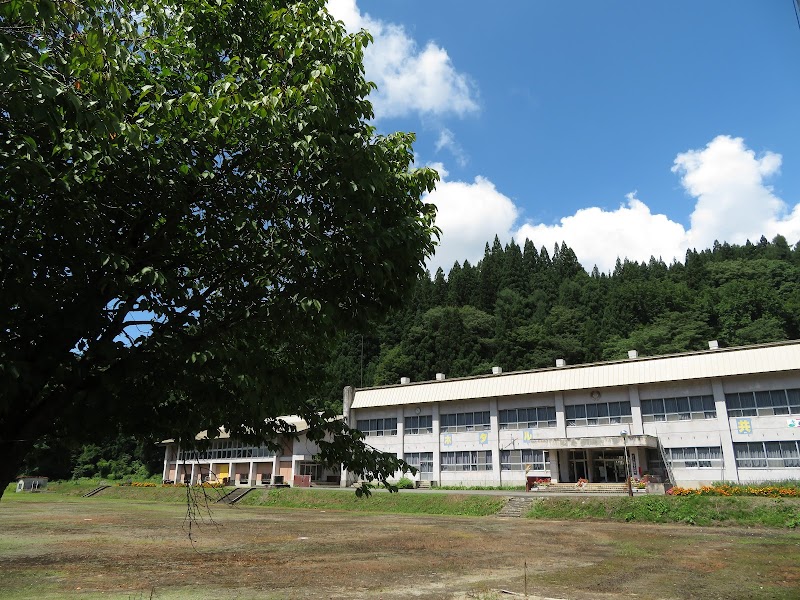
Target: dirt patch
126,550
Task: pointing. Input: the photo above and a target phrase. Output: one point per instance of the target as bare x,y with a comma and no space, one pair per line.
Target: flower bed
769,491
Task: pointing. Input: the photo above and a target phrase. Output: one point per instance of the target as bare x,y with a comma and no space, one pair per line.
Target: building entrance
608,466
578,465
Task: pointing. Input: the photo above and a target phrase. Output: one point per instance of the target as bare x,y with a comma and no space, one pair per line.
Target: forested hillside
521,308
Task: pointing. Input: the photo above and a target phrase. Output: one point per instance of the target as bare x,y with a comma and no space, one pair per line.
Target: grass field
62,546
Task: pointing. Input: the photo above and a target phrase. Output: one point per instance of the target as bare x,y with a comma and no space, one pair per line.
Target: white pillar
401,430
437,457
561,421
165,472
275,469
636,410
494,435
251,475
724,428
554,465
194,471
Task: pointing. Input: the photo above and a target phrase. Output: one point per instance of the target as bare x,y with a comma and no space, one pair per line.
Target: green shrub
405,484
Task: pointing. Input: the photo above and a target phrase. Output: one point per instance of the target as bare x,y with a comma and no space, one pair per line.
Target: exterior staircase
424,485
516,506
234,496
588,488
96,491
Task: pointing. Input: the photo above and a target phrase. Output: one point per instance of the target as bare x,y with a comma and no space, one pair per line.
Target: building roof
706,364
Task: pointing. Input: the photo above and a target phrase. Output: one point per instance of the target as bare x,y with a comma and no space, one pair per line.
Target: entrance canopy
613,441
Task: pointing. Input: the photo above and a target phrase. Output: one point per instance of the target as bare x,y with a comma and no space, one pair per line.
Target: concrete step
516,507
96,491
234,496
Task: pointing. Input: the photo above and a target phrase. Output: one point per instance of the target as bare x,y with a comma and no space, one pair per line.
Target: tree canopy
193,206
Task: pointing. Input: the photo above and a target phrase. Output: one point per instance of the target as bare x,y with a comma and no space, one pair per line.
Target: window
600,413
679,409
418,425
421,460
472,421
377,426
517,460
695,457
759,455
525,418
225,449
763,403
467,460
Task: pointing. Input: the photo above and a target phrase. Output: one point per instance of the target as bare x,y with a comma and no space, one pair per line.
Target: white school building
694,418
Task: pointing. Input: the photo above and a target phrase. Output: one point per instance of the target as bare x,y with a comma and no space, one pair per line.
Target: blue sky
625,128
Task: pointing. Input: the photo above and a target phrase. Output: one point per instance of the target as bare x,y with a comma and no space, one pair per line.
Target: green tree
192,206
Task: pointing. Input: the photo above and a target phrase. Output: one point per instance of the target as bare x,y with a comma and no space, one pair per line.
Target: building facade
228,461
693,418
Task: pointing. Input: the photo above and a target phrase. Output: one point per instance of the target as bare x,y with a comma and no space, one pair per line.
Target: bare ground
139,550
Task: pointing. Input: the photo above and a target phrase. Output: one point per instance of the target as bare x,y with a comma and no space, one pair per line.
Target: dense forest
522,308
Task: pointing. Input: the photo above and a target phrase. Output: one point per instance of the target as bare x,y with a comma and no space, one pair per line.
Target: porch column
194,470
165,472
275,469
294,469
230,472
251,475
589,464
554,465
564,465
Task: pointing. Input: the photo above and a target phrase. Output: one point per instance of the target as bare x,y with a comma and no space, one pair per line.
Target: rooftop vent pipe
713,345
497,370
633,354
405,380
440,377
560,362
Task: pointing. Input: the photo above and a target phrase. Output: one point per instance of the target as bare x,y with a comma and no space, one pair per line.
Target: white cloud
469,215
598,236
409,80
733,204
447,141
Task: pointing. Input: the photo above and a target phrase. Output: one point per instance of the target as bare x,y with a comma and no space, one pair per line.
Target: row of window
775,455
599,413
679,409
468,421
481,460
694,457
772,402
419,424
421,460
684,408
467,460
753,455
527,418
224,450
524,460
377,426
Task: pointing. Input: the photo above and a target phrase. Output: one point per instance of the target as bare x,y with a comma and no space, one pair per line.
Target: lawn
61,546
